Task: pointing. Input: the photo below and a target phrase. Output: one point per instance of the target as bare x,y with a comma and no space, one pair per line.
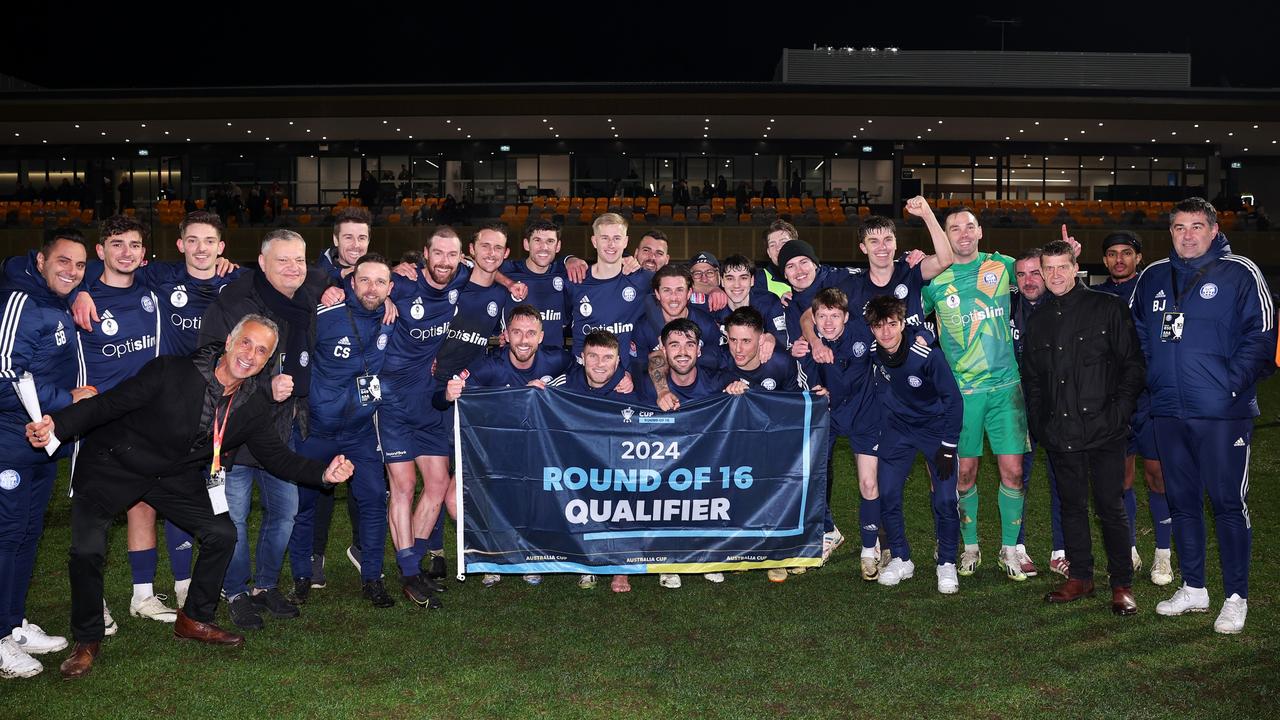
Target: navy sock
420,548
435,541
181,547
869,518
1131,509
1160,519
407,561
143,565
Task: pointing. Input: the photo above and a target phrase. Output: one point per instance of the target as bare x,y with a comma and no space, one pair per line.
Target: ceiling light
1037,122
77,126
228,124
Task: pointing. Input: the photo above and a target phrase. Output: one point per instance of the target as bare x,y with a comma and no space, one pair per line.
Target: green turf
820,645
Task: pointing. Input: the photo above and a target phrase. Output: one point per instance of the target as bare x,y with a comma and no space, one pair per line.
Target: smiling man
1206,321
126,337
972,302
37,338
608,299
1083,371
166,436
1122,254
350,243
278,291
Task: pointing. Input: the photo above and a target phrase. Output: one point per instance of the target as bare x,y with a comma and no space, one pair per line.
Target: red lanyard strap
219,430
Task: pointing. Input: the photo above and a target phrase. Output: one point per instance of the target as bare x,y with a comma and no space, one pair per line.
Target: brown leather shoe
80,662
1070,591
189,629
1122,601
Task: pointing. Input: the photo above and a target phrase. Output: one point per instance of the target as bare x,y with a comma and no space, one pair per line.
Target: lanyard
364,363
1195,280
219,431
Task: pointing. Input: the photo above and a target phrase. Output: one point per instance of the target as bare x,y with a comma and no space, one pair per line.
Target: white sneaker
970,560
153,608
1135,558
35,641
1008,559
15,662
897,571
714,577
490,579
1162,567
1185,600
948,583
669,580
111,628
870,559
180,589
1231,620
777,575
587,582
533,579
831,541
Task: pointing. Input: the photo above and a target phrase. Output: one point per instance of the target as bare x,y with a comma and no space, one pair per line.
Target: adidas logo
184,546
179,288
344,341
106,314
585,299
1159,295
1239,442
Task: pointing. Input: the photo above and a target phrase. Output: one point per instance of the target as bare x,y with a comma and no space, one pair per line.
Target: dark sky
599,42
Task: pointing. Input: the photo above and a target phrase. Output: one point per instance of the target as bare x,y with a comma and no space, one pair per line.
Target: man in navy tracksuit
923,412
351,343
36,336
855,410
1122,253
1206,322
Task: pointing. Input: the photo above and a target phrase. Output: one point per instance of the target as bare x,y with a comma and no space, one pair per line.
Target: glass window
959,160
1062,161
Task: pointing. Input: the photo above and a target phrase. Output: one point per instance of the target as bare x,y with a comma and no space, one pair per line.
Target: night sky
118,45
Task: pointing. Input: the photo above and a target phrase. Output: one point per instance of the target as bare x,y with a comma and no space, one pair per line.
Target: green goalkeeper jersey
973,307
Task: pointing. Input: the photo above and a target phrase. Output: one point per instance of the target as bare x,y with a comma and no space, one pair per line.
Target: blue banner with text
554,482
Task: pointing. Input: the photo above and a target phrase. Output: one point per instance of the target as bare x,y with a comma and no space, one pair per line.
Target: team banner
554,481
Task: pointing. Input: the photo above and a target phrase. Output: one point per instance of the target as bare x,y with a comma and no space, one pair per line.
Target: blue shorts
408,425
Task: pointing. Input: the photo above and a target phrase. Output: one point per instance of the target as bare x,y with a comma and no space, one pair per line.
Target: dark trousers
1103,469
184,502
1202,456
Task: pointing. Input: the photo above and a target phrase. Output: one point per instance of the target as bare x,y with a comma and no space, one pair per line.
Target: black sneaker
318,579
376,593
301,590
435,568
274,602
417,591
244,613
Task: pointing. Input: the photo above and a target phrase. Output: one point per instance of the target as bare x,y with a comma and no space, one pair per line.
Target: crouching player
922,413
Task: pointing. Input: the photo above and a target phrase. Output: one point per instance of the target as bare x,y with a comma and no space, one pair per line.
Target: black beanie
793,249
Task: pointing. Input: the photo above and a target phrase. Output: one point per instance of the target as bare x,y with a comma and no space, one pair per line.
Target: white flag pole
460,524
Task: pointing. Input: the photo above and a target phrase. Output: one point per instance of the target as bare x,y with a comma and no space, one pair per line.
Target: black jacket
148,428
240,298
1083,370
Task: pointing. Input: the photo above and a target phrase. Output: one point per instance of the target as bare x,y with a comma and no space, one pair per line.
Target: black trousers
183,501
1103,469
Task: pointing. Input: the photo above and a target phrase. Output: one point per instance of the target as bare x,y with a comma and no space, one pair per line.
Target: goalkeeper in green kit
972,304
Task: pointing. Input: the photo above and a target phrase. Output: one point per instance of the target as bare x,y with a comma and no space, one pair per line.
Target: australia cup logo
627,414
